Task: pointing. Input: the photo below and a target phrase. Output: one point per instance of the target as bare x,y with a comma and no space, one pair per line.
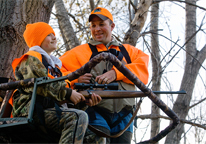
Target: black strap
4,80
119,54
44,103
121,118
94,50
58,112
125,53
105,115
46,64
40,112
102,134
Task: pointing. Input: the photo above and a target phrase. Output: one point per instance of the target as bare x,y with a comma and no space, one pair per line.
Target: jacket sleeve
70,63
138,65
31,67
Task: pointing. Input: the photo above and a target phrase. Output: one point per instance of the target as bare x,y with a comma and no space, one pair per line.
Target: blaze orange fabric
101,11
18,60
77,57
11,101
31,53
35,33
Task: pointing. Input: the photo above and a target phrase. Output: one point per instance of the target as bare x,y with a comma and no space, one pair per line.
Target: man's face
101,30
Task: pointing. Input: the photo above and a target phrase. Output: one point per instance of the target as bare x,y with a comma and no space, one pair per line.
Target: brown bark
67,31
138,22
14,15
92,5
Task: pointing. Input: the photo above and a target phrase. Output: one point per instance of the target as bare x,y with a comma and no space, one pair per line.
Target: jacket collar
113,42
52,60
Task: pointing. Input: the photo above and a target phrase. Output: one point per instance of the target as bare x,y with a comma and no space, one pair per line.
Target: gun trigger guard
89,92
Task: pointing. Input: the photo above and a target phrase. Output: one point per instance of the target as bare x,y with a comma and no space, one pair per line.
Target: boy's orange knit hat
35,33
101,13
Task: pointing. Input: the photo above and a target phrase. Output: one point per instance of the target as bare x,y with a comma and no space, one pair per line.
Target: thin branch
156,1
130,15
181,47
73,17
169,51
135,9
167,118
97,3
202,100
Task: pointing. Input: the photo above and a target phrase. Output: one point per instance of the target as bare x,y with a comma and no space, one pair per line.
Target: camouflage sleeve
31,67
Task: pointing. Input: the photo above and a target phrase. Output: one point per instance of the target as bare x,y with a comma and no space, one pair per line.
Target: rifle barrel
112,94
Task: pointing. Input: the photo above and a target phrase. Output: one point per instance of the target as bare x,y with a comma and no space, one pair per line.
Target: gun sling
102,134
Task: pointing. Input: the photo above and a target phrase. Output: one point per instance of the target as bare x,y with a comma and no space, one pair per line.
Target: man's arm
138,65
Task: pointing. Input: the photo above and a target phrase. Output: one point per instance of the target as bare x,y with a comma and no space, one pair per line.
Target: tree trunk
156,67
67,31
14,15
192,66
92,5
138,22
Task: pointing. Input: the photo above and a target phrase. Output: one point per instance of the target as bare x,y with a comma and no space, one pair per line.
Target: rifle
110,91
86,69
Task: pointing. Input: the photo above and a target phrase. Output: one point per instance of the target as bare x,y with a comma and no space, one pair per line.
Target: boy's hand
76,97
94,100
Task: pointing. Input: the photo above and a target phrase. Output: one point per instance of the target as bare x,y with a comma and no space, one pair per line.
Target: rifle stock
112,94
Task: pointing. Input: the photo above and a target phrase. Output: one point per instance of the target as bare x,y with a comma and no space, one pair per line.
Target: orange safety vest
17,61
81,55
29,53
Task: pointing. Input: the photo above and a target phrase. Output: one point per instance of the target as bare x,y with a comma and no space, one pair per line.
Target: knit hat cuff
36,33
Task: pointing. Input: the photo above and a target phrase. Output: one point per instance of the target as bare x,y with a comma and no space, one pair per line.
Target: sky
173,22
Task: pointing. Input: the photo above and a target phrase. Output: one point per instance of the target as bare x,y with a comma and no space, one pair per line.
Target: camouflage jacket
32,67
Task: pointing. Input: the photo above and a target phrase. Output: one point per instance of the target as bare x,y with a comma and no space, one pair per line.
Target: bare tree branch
202,100
167,118
155,1
91,4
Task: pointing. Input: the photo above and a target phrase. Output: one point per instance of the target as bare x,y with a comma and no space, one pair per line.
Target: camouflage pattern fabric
72,124
33,68
92,138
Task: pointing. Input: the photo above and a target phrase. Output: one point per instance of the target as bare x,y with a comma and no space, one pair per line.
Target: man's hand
76,97
85,78
94,100
106,78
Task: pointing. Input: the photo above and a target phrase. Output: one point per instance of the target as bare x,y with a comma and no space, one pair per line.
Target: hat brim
99,15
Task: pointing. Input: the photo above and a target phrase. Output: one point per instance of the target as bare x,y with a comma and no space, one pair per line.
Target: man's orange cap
35,33
101,13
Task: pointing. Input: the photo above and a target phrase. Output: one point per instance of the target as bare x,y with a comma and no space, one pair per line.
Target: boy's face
49,43
101,30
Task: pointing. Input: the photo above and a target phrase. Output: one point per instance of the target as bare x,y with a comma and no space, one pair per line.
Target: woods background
172,32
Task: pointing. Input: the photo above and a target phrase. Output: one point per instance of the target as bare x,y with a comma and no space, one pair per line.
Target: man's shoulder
82,46
129,47
76,51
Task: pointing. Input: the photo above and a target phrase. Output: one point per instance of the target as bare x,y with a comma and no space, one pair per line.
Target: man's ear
112,26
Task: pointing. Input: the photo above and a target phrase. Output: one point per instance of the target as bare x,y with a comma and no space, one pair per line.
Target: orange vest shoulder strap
18,60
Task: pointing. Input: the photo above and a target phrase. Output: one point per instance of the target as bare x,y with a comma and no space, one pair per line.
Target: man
110,115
